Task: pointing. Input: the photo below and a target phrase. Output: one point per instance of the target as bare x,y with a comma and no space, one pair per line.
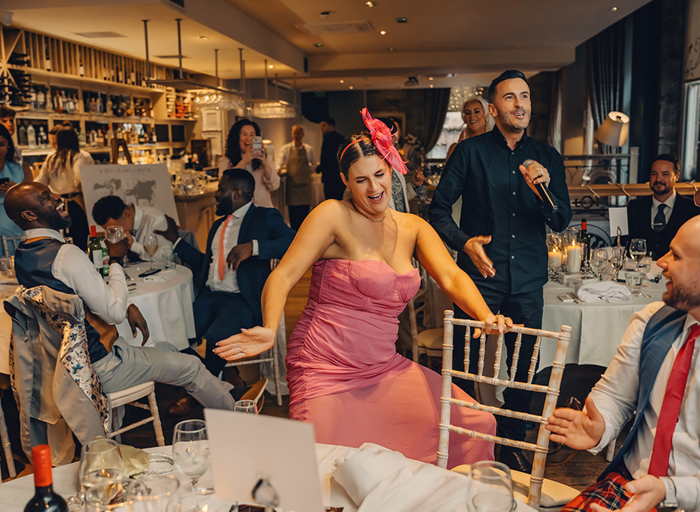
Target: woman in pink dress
344,374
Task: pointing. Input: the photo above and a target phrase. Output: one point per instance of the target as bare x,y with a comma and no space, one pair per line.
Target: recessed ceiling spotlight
370,4
270,66
342,81
351,87
203,38
430,78
613,9
383,32
431,86
402,19
318,45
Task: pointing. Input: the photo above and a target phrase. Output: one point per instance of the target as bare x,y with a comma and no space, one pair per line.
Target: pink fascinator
381,138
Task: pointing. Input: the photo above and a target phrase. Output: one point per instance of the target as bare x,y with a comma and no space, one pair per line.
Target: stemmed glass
101,468
617,260
191,449
638,249
150,245
599,259
246,406
491,488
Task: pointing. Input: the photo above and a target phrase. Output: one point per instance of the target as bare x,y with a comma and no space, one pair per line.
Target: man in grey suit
656,372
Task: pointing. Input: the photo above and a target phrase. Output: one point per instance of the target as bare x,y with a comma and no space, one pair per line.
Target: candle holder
574,254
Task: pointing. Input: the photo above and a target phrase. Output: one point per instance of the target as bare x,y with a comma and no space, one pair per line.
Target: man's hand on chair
170,233
137,321
580,430
648,492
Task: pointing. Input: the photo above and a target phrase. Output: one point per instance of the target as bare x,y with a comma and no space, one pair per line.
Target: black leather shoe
515,459
183,407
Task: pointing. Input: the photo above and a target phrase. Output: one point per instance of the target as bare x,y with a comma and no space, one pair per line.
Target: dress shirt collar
138,217
43,233
501,140
668,202
240,213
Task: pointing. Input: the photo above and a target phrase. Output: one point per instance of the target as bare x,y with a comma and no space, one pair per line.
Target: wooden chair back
551,390
16,240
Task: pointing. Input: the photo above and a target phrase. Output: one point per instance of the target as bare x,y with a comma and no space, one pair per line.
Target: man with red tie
656,372
230,275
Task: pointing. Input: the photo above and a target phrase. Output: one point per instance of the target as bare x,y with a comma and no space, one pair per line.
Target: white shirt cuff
137,247
687,491
176,242
256,251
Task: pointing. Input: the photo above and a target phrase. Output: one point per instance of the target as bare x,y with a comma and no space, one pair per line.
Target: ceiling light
383,32
342,81
370,4
203,38
613,9
271,66
318,45
391,49
351,87
430,78
401,20
431,86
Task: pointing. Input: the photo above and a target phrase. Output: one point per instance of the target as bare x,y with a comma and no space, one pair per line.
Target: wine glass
638,249
246,406
617,259
101,468
491,488
191,449
599,259
150,245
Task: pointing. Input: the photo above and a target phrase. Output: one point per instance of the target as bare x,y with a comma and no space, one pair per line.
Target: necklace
365,216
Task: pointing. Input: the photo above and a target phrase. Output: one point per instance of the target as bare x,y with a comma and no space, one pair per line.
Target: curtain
554,137
435,104
605,54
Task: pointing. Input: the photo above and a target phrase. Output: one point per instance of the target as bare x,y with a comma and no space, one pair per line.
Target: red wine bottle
44,499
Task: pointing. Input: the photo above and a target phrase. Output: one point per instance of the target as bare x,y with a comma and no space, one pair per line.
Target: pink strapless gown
346,378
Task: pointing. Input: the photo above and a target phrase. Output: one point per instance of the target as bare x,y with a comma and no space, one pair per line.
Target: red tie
671,406
222,258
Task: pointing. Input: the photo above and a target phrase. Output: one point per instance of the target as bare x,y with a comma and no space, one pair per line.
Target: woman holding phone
11,173
244,151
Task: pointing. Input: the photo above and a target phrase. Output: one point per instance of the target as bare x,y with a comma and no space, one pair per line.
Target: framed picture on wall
211,120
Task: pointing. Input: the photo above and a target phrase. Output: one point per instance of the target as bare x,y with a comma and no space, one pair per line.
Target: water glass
634,282
101,468
246,406
204,500
126,490
599,259
162,495
638,249
191,449
114,233
168,257
491,488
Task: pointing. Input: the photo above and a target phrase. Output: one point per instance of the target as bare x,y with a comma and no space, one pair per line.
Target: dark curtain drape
605,55
435,103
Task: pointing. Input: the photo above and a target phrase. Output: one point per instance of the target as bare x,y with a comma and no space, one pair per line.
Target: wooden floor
578,473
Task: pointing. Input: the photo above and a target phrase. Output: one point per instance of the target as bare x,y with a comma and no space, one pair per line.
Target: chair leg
153,405
276,370
6,445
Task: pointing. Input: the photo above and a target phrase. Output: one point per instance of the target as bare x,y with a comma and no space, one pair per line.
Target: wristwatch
114,259
670,502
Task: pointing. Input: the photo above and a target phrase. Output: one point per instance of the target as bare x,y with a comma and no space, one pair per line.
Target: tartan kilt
608,492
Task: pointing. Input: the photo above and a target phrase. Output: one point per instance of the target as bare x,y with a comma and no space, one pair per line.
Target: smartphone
4,180
257,143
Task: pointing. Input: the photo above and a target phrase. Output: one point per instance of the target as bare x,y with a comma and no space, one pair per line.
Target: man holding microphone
501,240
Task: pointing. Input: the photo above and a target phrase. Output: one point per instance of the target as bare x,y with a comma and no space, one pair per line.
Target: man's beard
666,189
684,298
57,222
225,206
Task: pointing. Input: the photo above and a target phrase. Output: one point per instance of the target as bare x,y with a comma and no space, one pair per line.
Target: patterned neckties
660,219
222,256
671,406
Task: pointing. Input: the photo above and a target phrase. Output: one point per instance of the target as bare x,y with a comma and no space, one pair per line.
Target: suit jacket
328,166
262,224
639,222
660,333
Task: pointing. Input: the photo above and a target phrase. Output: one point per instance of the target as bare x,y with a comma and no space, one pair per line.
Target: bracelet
114,259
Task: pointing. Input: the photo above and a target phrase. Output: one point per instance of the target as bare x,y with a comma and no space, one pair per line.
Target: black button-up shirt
496,201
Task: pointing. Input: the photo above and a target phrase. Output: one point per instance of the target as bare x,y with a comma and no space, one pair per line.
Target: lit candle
554,259
573,258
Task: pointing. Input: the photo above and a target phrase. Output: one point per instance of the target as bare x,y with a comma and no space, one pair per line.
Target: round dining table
14,494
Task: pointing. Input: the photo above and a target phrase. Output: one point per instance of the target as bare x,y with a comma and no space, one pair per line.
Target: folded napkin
135,460
378,479
604,291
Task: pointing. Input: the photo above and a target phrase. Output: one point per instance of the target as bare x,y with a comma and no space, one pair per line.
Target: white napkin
604,291
378,479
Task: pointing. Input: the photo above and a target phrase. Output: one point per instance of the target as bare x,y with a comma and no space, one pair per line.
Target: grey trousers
126,366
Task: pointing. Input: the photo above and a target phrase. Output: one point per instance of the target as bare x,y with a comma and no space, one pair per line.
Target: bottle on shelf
585,240
22,135
32,98
31,137
47,60
45,499
100,106
64,100
41,138
93,105
41,99
81,139
81,69
76,103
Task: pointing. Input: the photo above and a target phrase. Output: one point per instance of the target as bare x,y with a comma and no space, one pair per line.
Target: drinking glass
150,245
162,495
599,259
246,406
191,449
126,490
634,281
491,488
638,249
617,259
101,468
114,233
168,257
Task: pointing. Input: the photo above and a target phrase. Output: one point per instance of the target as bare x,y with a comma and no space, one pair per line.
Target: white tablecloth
596,327
16,493
166,306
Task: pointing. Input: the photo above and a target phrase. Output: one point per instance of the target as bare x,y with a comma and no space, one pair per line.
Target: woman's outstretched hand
250,342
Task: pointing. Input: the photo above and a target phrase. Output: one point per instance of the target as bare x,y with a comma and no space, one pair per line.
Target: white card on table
618,221
245,446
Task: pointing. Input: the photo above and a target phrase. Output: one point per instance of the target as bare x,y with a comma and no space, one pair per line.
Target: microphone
544,192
